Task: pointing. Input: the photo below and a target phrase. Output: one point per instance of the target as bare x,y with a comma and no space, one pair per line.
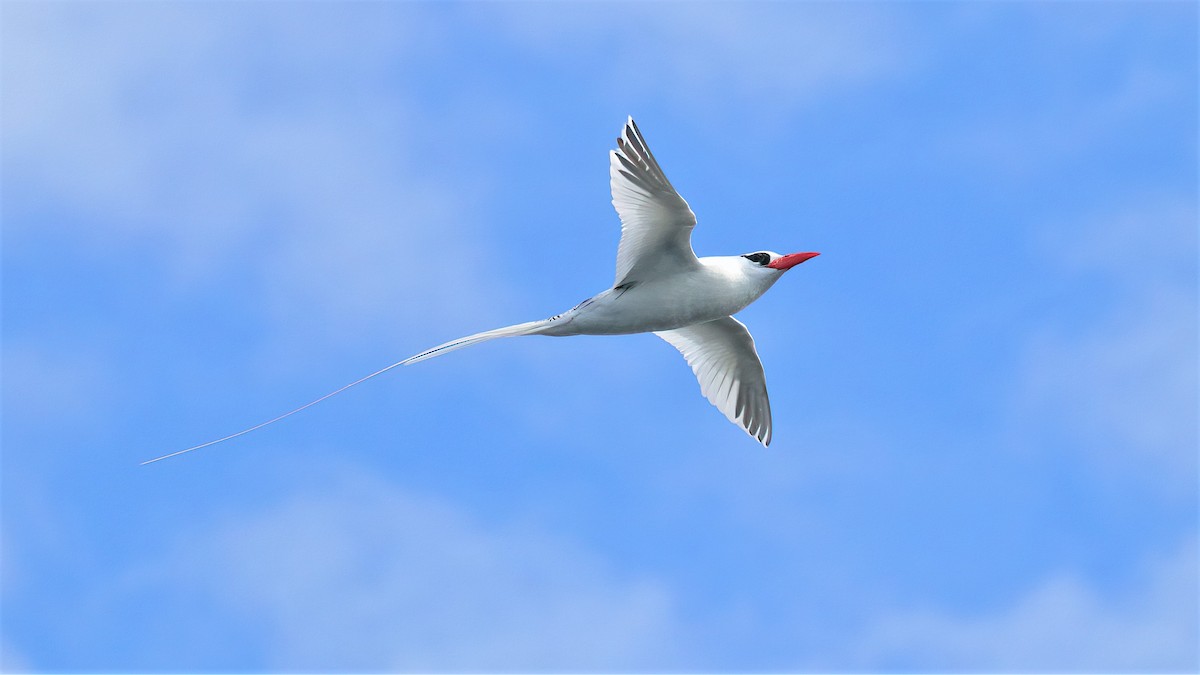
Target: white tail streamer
276,419
529,328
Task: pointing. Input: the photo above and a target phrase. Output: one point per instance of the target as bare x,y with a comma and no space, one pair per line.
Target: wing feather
721,354
656,223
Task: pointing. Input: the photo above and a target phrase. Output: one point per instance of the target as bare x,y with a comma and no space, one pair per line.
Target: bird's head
775,261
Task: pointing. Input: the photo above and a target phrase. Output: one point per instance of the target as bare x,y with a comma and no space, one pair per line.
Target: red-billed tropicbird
662,288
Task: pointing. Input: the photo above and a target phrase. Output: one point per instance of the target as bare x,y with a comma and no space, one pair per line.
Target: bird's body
661,287
720,287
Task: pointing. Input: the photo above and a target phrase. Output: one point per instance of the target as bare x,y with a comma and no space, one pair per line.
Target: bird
661,287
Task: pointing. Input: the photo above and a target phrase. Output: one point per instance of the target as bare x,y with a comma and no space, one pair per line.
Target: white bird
661,287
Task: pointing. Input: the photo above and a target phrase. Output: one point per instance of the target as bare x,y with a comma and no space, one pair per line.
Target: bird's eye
759,258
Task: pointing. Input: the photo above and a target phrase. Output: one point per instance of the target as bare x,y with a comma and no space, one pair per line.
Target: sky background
984,390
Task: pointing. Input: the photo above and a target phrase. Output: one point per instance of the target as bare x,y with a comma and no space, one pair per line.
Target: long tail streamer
272,421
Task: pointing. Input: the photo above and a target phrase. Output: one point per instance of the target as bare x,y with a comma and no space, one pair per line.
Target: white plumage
722,355
663,288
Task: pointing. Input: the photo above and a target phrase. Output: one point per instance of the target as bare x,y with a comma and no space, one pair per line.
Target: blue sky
984,390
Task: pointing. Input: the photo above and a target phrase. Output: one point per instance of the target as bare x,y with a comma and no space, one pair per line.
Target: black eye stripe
760,258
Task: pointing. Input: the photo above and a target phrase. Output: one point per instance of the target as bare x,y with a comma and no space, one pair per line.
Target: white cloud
365,576
1062,625
775,57
1145,246
1126,383
174,128
1128,388
12,660
1041,126
43,387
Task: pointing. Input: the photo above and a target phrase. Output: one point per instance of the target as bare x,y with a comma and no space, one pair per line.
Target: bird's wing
721,354
656,223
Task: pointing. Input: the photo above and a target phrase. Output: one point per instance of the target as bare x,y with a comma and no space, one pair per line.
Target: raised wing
721,354
656,223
